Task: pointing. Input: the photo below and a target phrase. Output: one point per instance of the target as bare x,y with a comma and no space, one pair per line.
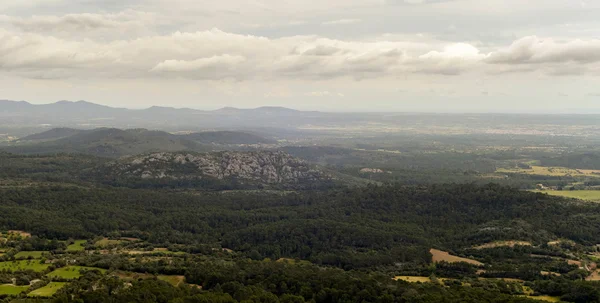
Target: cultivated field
48,290
442,256
173,280
77,246
413,279
588,195
107,242
12,290
503,244
549,171
23,265
29,254
72,272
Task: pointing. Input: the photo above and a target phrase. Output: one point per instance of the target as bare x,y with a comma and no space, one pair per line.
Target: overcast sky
334,55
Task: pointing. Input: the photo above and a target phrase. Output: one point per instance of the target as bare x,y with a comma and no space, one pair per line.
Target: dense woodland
342,241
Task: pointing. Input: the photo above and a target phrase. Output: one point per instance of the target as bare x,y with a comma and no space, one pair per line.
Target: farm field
9,289
413,279
588,195
48,290
72,272
173,280
23,265
544,298
550,171
503,244
29,254
107,242
442,256
77,246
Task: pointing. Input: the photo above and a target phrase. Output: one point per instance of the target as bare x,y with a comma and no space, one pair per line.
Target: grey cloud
534,50
80,22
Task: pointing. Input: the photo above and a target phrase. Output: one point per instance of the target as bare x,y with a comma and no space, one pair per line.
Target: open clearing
12,290
72,272
442,256
48,290
19,233
544,298
29,254
588,195
413,279
107,242
173,280
503,244
77,246
23,265
549,171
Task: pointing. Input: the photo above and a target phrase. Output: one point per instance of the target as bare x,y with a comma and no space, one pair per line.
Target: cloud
324,94
215,67
80,22
342,22
216,54
534,50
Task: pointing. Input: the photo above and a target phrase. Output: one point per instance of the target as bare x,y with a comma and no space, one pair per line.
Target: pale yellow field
413,279
503,244
544,298
588,195
440,256
550,171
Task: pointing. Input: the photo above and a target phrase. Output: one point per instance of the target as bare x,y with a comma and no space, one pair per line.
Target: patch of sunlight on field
544,298
588,195
503,244
549,171
48,290
173,280
413,279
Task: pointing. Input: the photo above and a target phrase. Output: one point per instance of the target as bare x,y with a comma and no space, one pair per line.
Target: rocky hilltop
259,168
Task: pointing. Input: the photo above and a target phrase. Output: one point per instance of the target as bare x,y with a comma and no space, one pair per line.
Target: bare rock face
261,167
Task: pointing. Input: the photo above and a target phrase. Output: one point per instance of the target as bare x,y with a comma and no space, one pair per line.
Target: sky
335,55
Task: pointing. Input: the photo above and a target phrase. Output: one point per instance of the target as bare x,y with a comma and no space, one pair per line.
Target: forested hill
350,228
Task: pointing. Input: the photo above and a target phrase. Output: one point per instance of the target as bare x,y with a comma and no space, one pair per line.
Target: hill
53,134
228,137
217,170
108,142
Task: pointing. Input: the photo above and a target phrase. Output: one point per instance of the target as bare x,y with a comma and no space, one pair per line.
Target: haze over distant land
539,56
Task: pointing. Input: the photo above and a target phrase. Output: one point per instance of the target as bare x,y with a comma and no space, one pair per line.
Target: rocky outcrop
262,167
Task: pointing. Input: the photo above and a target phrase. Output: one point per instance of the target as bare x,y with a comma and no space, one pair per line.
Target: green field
77,246
107,242
9,289
23,265
48,290
29,254
589,195
72,272
173,280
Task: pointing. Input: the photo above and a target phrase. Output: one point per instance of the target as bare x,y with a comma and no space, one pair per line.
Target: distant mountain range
89,115
113,142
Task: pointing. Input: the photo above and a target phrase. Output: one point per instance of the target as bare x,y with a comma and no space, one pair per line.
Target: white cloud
324,94
342,22
534,50
215,67
79,22
216,54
